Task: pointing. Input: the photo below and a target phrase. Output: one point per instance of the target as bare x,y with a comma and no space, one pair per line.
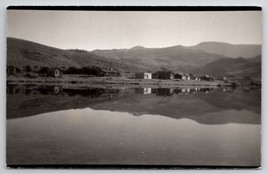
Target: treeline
37,71
89,70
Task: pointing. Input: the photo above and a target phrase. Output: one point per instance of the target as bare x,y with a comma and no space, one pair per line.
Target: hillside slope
238,67
198,59
173,58
21,53
229,50
181,58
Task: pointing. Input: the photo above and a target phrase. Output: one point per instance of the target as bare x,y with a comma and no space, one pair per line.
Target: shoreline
117,81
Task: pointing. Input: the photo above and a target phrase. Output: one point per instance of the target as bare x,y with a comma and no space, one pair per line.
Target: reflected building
143,90
147,90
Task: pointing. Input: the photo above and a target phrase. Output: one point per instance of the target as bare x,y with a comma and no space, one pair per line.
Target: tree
28,68
44,70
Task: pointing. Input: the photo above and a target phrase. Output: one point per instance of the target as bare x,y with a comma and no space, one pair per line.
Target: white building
144,75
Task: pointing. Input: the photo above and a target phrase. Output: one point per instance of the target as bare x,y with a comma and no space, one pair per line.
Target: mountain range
214,58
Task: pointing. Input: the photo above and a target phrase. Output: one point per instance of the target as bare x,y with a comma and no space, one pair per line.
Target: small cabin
145,75
193,77
187,77
179,76
55,72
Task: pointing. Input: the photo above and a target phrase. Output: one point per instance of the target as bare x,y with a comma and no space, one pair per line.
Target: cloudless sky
91,30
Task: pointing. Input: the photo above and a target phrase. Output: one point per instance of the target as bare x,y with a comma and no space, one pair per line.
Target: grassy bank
112,80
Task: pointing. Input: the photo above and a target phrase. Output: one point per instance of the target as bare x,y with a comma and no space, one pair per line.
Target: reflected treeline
192,103
29,100
13,89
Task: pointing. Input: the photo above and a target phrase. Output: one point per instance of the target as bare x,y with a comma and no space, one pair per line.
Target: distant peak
137,48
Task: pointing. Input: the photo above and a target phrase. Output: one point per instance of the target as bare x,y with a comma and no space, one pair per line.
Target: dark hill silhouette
21,53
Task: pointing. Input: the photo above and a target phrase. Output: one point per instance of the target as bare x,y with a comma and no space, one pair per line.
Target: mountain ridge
138,59
230,50
250,67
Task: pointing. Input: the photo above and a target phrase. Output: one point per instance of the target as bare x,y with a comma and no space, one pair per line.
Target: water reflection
82,125
95,92
180,102
57,90
88,136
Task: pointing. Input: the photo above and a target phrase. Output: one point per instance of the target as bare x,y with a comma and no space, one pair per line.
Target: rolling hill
181,58
172,58
238,67
21,53
229,50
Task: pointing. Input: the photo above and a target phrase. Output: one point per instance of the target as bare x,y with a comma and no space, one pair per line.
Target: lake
183,126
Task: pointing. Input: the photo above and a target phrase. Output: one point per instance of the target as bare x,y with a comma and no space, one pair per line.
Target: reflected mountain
200,104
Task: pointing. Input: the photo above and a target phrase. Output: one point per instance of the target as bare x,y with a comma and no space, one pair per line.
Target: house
55,72
163,75
179,76
206,78
143,75
187,76
193,77
13,70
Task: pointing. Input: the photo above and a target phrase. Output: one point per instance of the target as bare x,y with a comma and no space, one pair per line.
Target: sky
91,30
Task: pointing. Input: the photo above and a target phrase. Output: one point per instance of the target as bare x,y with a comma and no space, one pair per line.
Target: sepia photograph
133,87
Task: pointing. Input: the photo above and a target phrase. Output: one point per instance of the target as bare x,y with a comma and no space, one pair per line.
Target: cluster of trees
89,70
43,71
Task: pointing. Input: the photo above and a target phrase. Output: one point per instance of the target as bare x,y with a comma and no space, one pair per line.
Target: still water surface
136,126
